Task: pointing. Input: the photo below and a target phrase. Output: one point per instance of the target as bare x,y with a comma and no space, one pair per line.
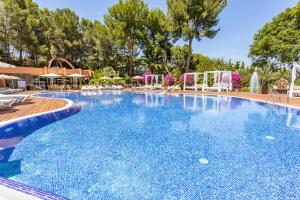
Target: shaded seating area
58,74
154,81
9,81
196,77
221,81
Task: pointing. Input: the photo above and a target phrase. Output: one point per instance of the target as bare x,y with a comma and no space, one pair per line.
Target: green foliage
107,71
127,20
194,19
179,56
267,75
278,42
127,79
31,36
245,74
176,74
157,43
132,38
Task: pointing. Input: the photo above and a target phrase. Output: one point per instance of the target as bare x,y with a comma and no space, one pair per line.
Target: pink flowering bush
189,79
148,77
169,79
236,81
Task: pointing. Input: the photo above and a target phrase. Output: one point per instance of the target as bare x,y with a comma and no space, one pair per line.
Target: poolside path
271,98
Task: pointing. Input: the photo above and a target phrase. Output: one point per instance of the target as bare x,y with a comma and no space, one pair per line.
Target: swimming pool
123,145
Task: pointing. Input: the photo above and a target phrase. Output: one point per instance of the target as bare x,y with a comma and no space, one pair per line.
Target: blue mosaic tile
152,146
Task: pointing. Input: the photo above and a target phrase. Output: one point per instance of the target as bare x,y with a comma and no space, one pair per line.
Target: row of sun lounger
159,87
100,87
8,101
9,91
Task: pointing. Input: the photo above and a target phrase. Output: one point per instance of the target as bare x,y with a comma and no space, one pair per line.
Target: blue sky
239,21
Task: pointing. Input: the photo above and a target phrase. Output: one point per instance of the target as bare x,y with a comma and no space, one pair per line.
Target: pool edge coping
216,94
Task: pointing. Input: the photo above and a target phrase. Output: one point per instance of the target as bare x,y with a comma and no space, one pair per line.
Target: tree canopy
194,19
127,21
278,42
132,38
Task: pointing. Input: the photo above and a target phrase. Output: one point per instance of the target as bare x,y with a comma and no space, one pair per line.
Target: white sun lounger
157,87
84,87
6,103
20,98
174,88
100,87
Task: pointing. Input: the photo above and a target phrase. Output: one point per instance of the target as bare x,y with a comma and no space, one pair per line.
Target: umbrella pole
76,82
12,82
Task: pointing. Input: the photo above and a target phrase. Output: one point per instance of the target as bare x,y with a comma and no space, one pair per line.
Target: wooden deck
32,106
38,105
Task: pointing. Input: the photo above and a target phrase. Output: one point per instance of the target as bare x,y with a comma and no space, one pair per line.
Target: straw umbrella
14,78
3,76
6,65
75,77
6,77
51,76
105,78
117,79
136,79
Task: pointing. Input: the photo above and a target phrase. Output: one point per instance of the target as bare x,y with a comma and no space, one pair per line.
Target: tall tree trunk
165,61
131,62
188,64
21,56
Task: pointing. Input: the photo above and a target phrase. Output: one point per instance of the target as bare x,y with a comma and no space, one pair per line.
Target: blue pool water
114,145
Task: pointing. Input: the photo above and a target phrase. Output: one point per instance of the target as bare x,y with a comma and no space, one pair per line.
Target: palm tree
267,75
153,61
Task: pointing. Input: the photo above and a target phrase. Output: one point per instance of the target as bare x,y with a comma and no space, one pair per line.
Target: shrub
169,79
236,81
127,79
189,79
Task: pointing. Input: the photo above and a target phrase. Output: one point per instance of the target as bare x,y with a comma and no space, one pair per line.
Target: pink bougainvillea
148,77
189,79
169,79
236,81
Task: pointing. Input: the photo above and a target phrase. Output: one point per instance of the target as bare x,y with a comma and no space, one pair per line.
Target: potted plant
266,75
165,85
